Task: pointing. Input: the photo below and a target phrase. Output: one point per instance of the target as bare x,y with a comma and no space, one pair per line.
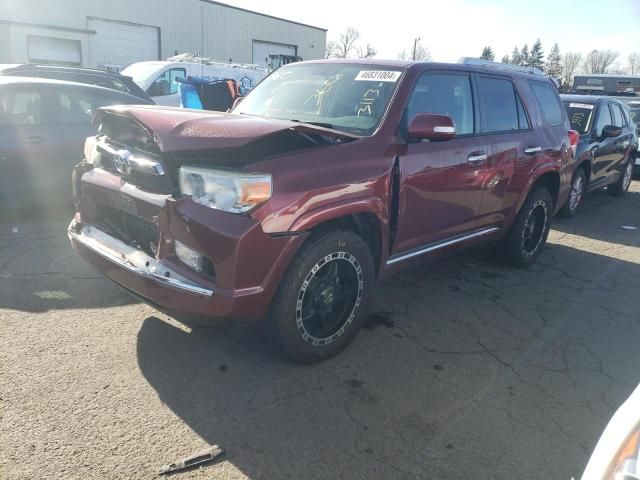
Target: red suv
327,176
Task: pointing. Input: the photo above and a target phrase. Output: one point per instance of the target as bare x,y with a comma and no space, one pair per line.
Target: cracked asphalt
467,369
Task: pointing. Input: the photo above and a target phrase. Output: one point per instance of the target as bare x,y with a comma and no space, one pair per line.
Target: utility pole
415,46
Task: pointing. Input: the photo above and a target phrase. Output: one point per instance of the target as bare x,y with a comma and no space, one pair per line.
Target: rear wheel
619,188
530,229
321,302
576,195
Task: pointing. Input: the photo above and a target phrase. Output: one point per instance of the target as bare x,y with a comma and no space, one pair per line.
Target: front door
24,147
604,152
441,182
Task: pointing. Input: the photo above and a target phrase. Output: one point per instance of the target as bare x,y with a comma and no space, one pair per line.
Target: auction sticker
581,105
378,76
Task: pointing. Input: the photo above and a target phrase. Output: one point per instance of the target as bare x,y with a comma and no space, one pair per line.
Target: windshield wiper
317,124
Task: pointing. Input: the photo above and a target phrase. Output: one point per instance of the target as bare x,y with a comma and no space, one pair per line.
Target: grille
131,229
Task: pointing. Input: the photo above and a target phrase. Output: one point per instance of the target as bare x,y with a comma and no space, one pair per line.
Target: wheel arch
362,217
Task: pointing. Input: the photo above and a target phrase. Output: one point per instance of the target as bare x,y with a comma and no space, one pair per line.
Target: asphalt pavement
467,369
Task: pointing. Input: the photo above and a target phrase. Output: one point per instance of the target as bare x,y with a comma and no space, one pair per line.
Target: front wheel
530,229
321,302
619,188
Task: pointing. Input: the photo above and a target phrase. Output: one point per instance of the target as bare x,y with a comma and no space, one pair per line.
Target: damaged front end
164,200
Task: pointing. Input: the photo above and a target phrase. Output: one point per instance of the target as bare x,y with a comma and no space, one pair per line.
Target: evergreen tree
516,57
536,57
487,54
524,55
553,66
505,59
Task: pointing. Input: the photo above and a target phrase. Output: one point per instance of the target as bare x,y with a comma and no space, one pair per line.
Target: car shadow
456,354
39,271
606,218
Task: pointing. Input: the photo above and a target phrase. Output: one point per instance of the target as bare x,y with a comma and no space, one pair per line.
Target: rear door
441,182
25,141
621,143
504,122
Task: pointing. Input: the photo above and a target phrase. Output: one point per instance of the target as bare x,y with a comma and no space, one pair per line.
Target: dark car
43,126
99,78
634,111
606,149
328,175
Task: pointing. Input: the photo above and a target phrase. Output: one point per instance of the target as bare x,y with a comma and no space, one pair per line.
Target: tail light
574,137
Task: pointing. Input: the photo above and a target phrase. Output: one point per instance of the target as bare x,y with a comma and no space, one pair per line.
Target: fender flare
344,208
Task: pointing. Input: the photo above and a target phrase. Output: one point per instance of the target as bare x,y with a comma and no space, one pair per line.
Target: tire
623,183
322,300
525,240
576,195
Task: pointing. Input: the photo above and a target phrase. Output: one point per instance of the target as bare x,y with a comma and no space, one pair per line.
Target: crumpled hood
175,129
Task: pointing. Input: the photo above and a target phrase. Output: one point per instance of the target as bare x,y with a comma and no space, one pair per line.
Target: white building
116,33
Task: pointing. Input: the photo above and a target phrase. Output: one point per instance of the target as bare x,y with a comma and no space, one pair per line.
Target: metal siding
228,33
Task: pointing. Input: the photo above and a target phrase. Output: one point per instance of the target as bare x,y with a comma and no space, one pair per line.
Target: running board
400,257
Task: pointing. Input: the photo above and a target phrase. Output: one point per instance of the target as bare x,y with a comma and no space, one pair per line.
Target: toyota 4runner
327,176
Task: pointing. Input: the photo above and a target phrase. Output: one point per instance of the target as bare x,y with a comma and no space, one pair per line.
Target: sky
455,28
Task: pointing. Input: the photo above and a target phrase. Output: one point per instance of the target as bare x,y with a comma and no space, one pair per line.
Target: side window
602,119
523,121
547,99
447,94
166,84
498,108
618,121
76,106
20,106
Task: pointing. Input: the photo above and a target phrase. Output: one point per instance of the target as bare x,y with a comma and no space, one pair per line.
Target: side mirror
432,126
611,131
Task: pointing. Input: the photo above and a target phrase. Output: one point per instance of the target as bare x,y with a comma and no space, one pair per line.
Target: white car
158,78
617,454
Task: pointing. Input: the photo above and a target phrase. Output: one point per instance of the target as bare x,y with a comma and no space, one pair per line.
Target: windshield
579,116
346,97
140,72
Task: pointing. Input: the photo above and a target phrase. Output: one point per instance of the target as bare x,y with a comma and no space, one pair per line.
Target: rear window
549,103
580,115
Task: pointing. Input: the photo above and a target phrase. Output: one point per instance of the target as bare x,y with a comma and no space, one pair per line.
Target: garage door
262,50
119,44
51,50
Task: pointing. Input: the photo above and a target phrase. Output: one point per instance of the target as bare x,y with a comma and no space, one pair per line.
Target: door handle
532,150
477,157
35,139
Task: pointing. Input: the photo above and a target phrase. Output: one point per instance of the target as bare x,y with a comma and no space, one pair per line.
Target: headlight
227,191
91,154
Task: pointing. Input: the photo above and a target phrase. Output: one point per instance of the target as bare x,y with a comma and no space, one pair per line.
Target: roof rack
504,66
191,58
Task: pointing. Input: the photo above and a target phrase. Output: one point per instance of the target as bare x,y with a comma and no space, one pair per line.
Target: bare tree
330,49
570,66
600,61
367,52
634,63
347,43
422,53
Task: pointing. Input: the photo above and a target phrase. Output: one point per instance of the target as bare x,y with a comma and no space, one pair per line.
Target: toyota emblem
122,162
